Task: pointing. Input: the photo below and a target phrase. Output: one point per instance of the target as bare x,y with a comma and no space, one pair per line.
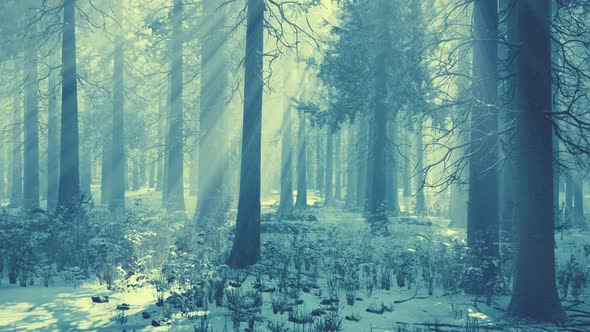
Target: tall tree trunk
142,169
135,172
378,160
31,125
85,169
175,185
69,170
319,156
338,167
534,293
106,158
506,119
301,202
407,189
362,157
310,162
16,188
118,163
569,196
391,175
3,162
286,200
161,157
166,156
459,189
246,245
212,142
329,176
483,207
420,179
52,147
351,167
578,213
151,172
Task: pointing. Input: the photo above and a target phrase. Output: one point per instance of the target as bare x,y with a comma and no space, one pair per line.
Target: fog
355,165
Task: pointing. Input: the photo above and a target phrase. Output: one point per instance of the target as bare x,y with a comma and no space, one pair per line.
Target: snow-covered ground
68,308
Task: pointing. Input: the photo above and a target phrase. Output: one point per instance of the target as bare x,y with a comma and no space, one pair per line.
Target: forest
294,165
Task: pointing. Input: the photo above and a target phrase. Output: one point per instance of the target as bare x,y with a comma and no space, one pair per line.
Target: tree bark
69,170
351,167
338,167
483,207
534,293
161,157
118,164
286,199
506,119
52,146
578,191
319,156
392,169
420,181
16,188
246,245
329,176
175,174
301,202
362,157
377,198
31,124
106,160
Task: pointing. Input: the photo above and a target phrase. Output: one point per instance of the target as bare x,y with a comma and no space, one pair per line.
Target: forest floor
69,308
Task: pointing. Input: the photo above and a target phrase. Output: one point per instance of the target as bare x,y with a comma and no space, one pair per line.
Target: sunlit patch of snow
475,314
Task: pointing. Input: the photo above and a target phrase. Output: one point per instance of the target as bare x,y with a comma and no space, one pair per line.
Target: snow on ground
68,308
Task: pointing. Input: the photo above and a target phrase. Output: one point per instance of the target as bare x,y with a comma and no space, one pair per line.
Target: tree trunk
534,293
301,202
175,185
142,169
31,125
420,207
392,169
319,156
378,160
3,162
166,156
161,157
578,213
69,170
351,167
460,188
118,164
106,161
506,119
135,172
16,188
85,167
362,157
151,172
329,176
407,189
246,245
338,167
52,147
569,197
483,207
286,200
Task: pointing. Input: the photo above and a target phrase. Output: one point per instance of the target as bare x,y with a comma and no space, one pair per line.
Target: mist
308,165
